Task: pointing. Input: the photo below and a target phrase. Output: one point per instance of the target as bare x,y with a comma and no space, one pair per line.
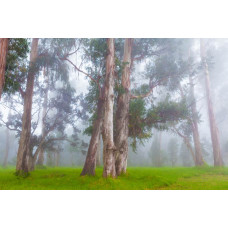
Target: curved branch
81,71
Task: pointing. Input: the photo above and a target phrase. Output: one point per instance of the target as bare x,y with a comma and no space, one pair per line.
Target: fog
144,154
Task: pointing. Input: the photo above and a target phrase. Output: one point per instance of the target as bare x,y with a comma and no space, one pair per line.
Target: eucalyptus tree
127,109
57,108
189,129
122,112
3,54
108,126
162,70
212,121
155,104
96,49
24,143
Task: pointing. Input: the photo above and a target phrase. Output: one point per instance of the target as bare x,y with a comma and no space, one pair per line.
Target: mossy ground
136,178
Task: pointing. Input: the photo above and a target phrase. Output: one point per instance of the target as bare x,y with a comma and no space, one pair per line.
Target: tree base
22,173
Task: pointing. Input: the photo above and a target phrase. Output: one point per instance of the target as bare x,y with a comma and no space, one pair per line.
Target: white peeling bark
109,147
122,114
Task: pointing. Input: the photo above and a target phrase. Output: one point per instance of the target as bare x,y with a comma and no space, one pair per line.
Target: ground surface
136,178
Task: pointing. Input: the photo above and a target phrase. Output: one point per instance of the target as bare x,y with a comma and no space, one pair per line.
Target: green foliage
167,110
88,130
16,64
137,126
142,119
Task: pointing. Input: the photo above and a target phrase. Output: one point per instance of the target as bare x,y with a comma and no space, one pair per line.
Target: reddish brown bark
23,150
122,114
213,126
3,54
90,162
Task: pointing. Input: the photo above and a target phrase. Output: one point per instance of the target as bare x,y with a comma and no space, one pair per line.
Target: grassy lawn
136,178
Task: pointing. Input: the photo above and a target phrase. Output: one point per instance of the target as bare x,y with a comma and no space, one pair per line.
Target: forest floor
136,178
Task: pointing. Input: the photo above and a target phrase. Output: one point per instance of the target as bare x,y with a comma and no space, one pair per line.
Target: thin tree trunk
32,158
187,143
109,147
195,130
3,54
213,126
41,153
57,158
7,148
160,140
90,162
24,142
122,114
50,159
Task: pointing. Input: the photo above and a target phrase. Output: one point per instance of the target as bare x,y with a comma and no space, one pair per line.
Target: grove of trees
137,89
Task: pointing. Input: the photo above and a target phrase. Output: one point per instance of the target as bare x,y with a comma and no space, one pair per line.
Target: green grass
136,178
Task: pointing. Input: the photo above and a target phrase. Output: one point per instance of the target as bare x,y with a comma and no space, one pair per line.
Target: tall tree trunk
109,147
50,158
213,126
160,140
7,148
90,162
122,114
195,130
24,142
31,162
3,54
41,153
57,158
98,156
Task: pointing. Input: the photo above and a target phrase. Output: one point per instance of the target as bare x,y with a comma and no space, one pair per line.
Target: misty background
170,146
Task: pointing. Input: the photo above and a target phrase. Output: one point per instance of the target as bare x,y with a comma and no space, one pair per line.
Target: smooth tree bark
32,158
197,153
90,162
24,142
3,54
40,160
31,162
213,125
98,156
160,143
57,155
7,141
122,113
195,131
7,148
107,134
